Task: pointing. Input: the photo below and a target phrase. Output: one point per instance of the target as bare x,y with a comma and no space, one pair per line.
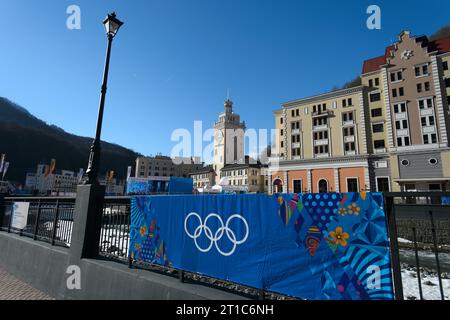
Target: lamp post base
87,221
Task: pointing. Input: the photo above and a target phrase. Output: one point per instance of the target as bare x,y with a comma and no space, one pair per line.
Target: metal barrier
49,219
418,226
419,233
115,232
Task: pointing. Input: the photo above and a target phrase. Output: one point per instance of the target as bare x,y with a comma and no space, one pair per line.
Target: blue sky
173,61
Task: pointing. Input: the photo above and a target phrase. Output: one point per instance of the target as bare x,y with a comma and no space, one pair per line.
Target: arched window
323,186
277,186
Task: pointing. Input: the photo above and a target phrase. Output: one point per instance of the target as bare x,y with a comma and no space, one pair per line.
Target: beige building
163,166
205,177
388,134
250,177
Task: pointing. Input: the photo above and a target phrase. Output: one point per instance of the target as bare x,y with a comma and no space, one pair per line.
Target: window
352,185
421,70
379,144
401,124
394,92
297,186
375,97
403,141
426,103
282,144
347,116
401,92
296,138
383,185
427,121
281,120
296,152
447,82
377,127
293,113
427,86
349,146
417,71
350,131
321,149
400,107
295,125
396,76
419,87
431,120
347,102
433,138
281,132
445,65
370,83
320,135
297,112
377,82
323,186
376,112
319,108
433,161
405,162
319,121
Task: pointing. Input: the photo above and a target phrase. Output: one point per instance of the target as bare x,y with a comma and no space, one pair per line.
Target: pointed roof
441,45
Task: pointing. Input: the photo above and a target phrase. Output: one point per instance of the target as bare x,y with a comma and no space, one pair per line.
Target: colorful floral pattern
341,223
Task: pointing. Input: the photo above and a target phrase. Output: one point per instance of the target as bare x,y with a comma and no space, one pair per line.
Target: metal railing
418,228
115,230
49,219
419,236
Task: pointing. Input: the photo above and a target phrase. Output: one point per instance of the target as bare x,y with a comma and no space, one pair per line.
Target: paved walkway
12,288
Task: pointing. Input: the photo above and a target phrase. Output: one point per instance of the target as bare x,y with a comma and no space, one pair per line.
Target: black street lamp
112,26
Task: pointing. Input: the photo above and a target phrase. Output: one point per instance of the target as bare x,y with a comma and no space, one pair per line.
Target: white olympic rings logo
219,233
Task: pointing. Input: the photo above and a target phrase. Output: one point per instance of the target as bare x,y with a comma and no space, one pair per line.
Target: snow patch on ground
430,285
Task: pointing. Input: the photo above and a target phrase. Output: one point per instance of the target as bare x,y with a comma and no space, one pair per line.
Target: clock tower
229,134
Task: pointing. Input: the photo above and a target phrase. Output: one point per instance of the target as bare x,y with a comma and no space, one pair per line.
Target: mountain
27,141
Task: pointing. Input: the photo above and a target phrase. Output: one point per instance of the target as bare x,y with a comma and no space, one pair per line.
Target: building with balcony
388,134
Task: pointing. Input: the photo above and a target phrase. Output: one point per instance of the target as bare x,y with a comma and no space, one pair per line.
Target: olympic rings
214,238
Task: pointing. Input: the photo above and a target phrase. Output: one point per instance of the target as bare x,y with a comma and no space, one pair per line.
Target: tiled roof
441,45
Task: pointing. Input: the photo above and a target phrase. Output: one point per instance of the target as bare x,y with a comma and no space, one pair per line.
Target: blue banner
311,246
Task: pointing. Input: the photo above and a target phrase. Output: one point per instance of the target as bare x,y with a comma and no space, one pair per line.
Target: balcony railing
402,133
428,129
325,113
349,139
320,127
320,142
348,123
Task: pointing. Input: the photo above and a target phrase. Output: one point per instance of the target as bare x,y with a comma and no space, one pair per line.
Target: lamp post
112,26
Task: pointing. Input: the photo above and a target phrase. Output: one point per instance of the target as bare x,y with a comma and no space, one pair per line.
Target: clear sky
174,60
